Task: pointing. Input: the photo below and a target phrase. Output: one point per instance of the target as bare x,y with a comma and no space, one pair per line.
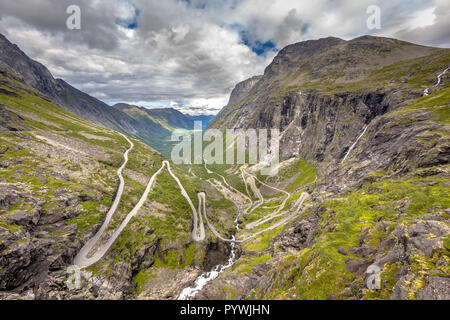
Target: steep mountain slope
172,117
169,118
64,95
240,91
356,112
58,178
364,181
162,122
344,76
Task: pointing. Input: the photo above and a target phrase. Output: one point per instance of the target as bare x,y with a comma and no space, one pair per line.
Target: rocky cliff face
242,89
33,73
321,93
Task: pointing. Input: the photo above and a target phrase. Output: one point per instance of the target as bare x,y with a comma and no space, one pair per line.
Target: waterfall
439,79
206,277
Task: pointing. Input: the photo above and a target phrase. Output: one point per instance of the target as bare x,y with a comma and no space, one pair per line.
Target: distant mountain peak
37,76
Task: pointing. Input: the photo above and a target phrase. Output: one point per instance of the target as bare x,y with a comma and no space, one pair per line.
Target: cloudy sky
189,54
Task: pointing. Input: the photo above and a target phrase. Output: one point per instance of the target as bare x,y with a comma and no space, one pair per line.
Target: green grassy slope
64,169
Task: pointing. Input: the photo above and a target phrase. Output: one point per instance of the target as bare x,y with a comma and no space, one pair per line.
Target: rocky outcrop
406,244
242,89
34,242
9,121
217,253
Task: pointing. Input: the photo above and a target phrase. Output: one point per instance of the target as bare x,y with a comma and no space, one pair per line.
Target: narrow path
198,222
81,259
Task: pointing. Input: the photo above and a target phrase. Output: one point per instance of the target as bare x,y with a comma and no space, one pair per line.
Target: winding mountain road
261,201
83,260
261,221
298,206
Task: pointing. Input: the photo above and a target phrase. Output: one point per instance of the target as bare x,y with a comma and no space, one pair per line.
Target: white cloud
191,53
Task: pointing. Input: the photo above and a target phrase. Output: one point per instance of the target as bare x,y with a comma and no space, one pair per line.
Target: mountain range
154,129
362,189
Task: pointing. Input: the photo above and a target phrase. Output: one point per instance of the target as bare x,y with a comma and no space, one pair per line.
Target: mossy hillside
37,171
142,278
320,271
262,211
261,242
64,123
421,265
438,104
234,179
305,173
192,254
416,74
10,226
36,175
271,206
159,140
